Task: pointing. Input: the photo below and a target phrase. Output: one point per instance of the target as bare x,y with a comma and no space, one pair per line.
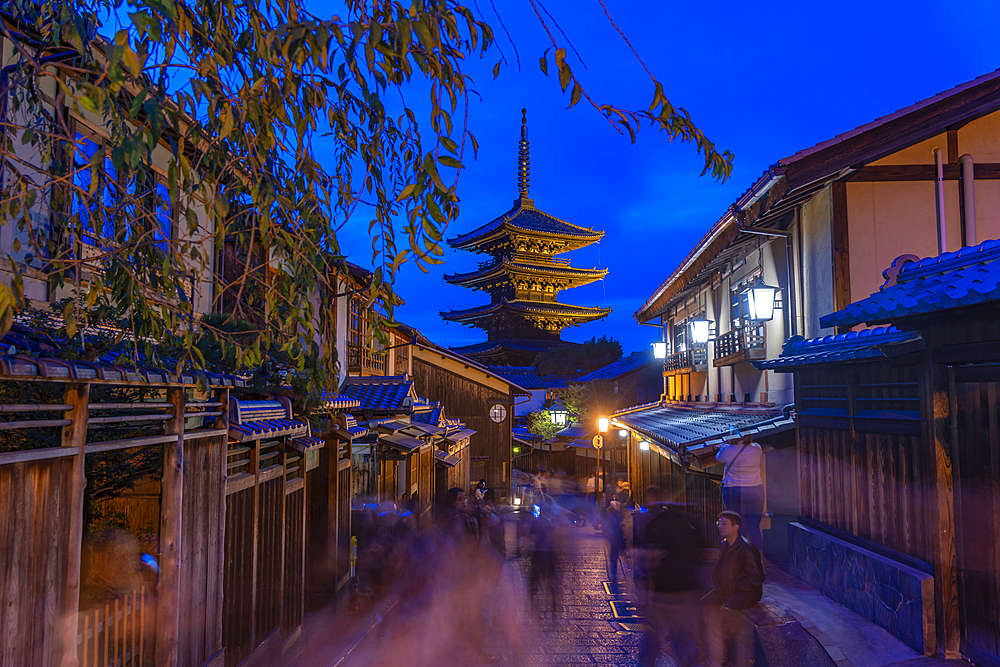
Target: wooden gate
975,410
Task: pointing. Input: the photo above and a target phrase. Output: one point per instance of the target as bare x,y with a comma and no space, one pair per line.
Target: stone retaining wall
892,595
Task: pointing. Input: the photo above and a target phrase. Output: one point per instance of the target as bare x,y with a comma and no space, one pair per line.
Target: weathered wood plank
171,532
75,437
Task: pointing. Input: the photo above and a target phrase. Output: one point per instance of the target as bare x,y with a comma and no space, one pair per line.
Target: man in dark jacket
671,539
737,582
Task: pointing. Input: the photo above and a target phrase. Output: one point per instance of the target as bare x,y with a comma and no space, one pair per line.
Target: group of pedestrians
701,628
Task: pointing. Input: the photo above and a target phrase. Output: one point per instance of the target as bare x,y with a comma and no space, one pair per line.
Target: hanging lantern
660,349
760,301
700,330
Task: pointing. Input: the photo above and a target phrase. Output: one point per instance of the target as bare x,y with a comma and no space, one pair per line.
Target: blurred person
671,604
742,483
614,532
737,581
543,556
480,492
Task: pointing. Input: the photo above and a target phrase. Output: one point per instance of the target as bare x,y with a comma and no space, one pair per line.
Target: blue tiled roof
527,218
864,344
623,366
678,427
528,377
380,394
432,416
951,280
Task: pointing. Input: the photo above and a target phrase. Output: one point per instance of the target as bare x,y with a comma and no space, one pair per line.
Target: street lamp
700,330
603,424
760,301
558,413
660,349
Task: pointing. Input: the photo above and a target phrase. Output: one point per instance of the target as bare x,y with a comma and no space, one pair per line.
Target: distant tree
540,424
579,359
590,400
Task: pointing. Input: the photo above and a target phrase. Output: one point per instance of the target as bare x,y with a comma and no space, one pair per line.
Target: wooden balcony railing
362,360
740,344
527,259
688,361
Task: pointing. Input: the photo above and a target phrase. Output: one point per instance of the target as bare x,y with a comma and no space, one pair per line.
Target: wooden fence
117,634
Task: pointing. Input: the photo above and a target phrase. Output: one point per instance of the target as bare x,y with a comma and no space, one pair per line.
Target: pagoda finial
523,176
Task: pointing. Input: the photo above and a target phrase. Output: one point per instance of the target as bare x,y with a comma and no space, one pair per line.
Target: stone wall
895,596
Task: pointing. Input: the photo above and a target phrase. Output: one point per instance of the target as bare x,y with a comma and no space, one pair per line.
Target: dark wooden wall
34,522
470,401
641,386
861,470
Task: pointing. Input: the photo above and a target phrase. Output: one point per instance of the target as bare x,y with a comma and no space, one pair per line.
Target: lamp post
603,424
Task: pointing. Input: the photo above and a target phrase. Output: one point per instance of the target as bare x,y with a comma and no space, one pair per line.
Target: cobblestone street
579,628
582,629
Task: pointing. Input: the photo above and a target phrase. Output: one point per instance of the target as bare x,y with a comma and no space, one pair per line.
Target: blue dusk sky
762,80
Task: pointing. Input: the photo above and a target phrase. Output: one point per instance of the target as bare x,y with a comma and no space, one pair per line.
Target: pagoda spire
523,164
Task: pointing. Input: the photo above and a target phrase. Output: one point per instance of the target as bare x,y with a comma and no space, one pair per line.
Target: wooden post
222,422
74,435
942,502
172,494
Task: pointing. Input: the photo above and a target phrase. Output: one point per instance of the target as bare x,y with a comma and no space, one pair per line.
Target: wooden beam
987,171
941,503
952,146
74,436
221,423
172,493
841,247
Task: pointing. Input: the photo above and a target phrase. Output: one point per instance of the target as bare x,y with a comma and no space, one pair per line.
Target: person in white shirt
742,484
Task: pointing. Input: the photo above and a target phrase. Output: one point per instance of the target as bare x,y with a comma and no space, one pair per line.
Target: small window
86,203
163,210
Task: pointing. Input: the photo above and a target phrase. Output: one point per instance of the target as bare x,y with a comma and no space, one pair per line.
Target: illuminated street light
660,350
558,413
603,424
644,446
760,301
622,432
699,330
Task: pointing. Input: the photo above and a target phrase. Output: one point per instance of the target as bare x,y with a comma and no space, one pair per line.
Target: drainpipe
969,198
939,196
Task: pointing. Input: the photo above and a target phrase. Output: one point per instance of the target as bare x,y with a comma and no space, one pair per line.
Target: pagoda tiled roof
965,277
526,218
623,366
544,308
518,344
540,269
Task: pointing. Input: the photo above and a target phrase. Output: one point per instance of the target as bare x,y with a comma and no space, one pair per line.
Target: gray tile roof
528,377
954,279
624,366
680,426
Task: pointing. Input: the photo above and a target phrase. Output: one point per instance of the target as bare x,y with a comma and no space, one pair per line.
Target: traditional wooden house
811,234
523,279
451,451
543,388
480,399
898,445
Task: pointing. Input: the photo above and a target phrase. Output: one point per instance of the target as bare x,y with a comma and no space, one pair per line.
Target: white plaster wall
889,219
817,263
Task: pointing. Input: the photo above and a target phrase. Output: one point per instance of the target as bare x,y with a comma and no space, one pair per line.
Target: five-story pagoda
523,278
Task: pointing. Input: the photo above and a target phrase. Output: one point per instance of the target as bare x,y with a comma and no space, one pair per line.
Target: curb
361,635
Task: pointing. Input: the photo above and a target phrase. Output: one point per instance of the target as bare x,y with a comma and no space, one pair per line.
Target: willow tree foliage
268,129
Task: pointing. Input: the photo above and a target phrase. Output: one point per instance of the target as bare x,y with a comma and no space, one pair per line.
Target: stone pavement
582,629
